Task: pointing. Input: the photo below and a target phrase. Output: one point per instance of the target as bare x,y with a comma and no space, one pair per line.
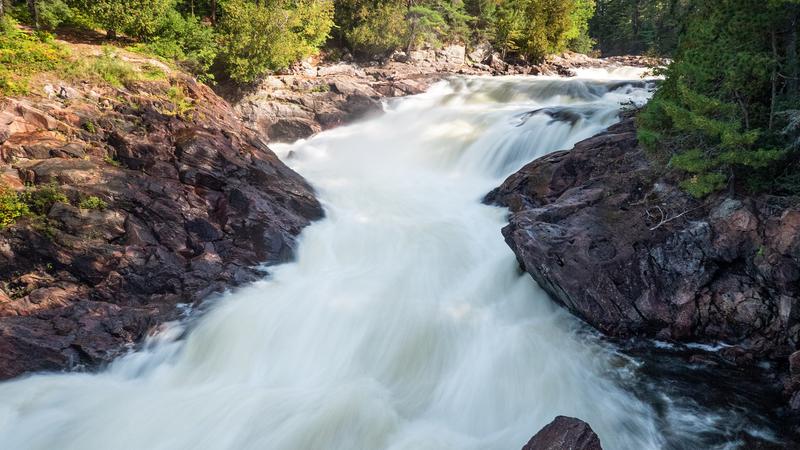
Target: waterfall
403,323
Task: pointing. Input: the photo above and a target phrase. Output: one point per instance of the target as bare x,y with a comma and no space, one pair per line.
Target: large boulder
618,243
565,433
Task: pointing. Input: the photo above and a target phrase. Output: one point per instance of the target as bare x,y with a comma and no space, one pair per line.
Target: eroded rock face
194,202
622,247
565,433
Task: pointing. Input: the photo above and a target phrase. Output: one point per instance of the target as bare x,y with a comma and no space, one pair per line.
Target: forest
726,115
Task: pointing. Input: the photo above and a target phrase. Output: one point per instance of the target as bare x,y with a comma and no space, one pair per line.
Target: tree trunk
213,12
34,12
792,69
2,8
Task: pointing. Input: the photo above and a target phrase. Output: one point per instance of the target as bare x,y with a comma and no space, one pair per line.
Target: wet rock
619,244
565,433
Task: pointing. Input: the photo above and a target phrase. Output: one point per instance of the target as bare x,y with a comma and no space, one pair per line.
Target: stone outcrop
565,433
618,243
311,98
187,202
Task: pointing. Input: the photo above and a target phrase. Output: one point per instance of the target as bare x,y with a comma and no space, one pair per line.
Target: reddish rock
618,243
192,205
565,433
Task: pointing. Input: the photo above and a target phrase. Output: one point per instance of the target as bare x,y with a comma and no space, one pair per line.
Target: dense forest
726,116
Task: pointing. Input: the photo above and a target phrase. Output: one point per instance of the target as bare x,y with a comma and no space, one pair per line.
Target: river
403,323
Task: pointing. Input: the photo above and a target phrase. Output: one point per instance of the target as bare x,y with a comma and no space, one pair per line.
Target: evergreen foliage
724,113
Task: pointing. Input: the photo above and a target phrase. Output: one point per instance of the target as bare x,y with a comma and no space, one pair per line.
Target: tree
136,18
258,38
718,115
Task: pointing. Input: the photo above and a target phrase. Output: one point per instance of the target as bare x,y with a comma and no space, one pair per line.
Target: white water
403,324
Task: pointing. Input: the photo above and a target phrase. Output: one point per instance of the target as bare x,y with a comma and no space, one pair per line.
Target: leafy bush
11,207
41,199
381,30
185,40
93,202
136,18
53,13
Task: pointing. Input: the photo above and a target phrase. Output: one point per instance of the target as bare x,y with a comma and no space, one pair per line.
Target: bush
381,30
53,13
186,41
42,198
136,18
93,202
11,207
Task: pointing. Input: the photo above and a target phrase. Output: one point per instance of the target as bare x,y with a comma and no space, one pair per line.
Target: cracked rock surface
192,203
617,242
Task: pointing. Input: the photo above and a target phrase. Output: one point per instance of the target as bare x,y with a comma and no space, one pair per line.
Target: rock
621,246
452,54
565,433
497,64
481,52
190,205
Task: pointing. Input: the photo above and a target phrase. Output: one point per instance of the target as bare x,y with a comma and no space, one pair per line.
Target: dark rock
565,433
620,245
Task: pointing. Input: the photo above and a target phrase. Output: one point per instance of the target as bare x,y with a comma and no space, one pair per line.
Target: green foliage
185,40
22,55
11,207
136,18
41,199
378,30
637,26
93,202
53,13
257,39
180,104
718,111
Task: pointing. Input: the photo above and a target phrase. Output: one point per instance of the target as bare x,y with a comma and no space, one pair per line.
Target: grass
23,55
181,104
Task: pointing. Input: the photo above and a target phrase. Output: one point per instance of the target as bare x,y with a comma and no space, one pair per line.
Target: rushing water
404,323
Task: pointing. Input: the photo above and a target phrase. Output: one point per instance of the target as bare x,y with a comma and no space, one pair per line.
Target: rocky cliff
612,238
140,199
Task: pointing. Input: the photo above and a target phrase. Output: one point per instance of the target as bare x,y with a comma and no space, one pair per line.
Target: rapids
403,323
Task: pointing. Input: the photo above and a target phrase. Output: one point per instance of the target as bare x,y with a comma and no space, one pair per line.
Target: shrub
93,202
11,207
381,30
22,55
186,41
40,199
53,13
